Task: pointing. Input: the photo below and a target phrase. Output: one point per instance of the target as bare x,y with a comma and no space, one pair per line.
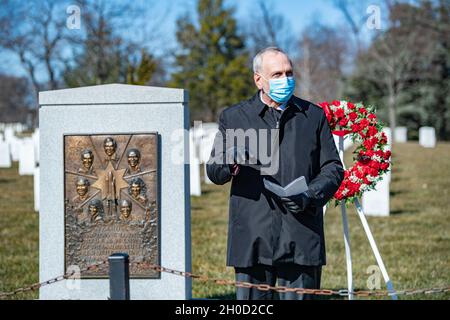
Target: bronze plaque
111,201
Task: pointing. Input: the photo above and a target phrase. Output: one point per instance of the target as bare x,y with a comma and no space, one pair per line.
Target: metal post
119,276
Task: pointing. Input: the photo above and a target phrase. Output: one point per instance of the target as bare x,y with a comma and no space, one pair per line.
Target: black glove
298,203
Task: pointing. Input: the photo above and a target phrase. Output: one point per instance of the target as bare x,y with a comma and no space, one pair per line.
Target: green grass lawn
414,241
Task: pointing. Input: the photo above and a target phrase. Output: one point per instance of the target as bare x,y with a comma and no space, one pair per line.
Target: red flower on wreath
372,131
353,116
371,160
339,113
336,103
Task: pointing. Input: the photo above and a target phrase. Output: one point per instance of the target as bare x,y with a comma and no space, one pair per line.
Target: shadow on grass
403,211
393,193
207,191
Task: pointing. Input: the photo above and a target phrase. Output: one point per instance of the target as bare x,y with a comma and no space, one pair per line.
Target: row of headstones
376,202
26,151
427,136
23,150
15,127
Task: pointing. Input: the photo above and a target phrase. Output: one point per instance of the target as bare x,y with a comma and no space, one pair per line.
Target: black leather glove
298,203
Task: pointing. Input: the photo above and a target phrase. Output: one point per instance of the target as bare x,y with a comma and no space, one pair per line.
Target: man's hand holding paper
295,196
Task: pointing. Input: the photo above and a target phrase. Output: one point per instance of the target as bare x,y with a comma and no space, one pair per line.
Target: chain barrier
39,285
240,284
283,289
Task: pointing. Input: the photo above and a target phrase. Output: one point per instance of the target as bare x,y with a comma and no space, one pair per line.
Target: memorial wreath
371,160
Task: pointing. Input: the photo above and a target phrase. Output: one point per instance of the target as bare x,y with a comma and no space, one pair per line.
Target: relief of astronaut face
125,209
135,189
110,146
82,186
87,158
134,156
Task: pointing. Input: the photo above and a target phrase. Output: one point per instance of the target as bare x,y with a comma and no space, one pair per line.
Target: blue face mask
282,89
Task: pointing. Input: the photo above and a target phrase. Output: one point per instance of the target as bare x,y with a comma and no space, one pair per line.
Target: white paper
296,187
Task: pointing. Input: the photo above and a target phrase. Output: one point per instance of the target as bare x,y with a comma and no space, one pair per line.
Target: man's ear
258,80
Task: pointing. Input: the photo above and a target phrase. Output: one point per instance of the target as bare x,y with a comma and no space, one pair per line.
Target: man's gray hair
257,60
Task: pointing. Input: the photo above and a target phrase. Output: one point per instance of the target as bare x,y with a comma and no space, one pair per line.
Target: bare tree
104,52
267,28
354,13
319,66
396,51
436,27
34,32
14,98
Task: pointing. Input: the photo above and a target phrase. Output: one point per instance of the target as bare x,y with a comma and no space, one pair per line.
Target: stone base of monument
114,179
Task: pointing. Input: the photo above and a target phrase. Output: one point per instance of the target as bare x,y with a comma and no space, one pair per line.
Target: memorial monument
109,183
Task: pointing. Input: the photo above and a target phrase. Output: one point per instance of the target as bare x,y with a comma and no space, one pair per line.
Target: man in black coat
274,238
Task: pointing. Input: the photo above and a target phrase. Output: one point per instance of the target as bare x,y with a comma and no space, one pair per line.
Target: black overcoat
261,230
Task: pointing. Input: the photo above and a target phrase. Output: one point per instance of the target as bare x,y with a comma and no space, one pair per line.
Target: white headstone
9,133
194,167
27,161
36,178
19,127
427,137
110,109
206,146
35,138
5,155
401,134
14,148
376,202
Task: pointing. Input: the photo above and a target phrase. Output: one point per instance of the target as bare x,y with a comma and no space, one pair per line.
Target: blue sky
298,14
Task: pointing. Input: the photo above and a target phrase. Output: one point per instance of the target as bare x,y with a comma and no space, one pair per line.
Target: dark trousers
288,275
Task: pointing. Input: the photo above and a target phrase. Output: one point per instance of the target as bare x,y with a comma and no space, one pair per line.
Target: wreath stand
373,245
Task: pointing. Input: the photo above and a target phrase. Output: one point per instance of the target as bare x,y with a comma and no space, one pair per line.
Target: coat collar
261,108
